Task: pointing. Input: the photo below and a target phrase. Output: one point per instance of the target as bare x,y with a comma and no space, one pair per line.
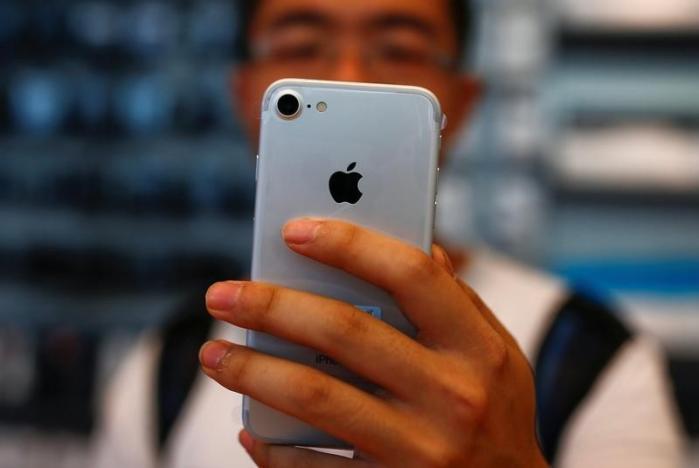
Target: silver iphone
363,153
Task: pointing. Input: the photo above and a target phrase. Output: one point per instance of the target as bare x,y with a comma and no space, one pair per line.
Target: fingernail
212,353
301,231
223,296
246,441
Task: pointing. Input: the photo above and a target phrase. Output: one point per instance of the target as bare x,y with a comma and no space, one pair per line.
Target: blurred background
126,184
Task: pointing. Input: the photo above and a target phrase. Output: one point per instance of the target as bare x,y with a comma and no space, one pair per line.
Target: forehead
435,13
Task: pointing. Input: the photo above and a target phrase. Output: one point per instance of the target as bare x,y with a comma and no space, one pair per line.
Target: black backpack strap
178,365
582,340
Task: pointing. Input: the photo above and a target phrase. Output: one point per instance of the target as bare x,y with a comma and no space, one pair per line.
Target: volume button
436,199
257,167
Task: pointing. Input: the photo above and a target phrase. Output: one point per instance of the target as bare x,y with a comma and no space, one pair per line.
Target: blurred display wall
126,186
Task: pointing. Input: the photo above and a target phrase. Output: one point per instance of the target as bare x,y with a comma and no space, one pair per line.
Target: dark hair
461,15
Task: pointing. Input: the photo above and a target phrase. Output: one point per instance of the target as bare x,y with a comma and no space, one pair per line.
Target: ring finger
335,407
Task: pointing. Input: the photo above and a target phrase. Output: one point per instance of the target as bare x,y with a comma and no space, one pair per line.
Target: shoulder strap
582,340
178,365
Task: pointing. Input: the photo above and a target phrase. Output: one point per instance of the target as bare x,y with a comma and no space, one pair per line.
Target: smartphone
364,153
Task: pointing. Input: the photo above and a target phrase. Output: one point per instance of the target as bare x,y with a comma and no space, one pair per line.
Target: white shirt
627,420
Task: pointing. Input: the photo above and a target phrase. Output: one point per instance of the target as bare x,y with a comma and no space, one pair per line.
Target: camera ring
288,104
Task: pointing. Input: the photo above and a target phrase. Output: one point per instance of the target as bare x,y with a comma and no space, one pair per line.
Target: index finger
426,293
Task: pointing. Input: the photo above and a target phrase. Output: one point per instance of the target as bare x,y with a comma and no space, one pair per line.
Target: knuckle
419,267
439,455
297,458
268,303
237,369
274,460
345,236
470,406
309,392
449,458
345,233
349,326
498,353
278,457
478,401
468,402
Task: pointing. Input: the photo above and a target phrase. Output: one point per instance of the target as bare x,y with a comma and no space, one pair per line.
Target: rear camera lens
288,105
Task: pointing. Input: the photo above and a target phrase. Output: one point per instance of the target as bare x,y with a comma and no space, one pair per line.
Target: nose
351,66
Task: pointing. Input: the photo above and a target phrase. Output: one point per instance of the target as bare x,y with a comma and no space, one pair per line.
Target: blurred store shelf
121,234
89,312
629,14
640,158
125,190
677,327
594,106
27,448
622,156
674,43
611,88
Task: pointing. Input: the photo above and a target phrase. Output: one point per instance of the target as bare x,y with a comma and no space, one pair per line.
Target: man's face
409,42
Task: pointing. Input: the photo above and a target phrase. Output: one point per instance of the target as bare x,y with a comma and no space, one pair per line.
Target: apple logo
344,186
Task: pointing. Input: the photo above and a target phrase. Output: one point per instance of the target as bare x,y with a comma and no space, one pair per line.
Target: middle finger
424,290
335,407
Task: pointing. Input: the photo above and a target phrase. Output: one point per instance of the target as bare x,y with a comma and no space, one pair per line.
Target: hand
461,395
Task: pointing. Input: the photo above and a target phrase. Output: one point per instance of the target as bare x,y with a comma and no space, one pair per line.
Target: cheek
254,98
444,93
456,104
251,102
254,106
258,82
449,100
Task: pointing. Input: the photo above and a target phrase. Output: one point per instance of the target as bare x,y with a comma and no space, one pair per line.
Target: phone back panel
388,134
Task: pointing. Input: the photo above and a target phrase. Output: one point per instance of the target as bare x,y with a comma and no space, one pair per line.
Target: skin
461,394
